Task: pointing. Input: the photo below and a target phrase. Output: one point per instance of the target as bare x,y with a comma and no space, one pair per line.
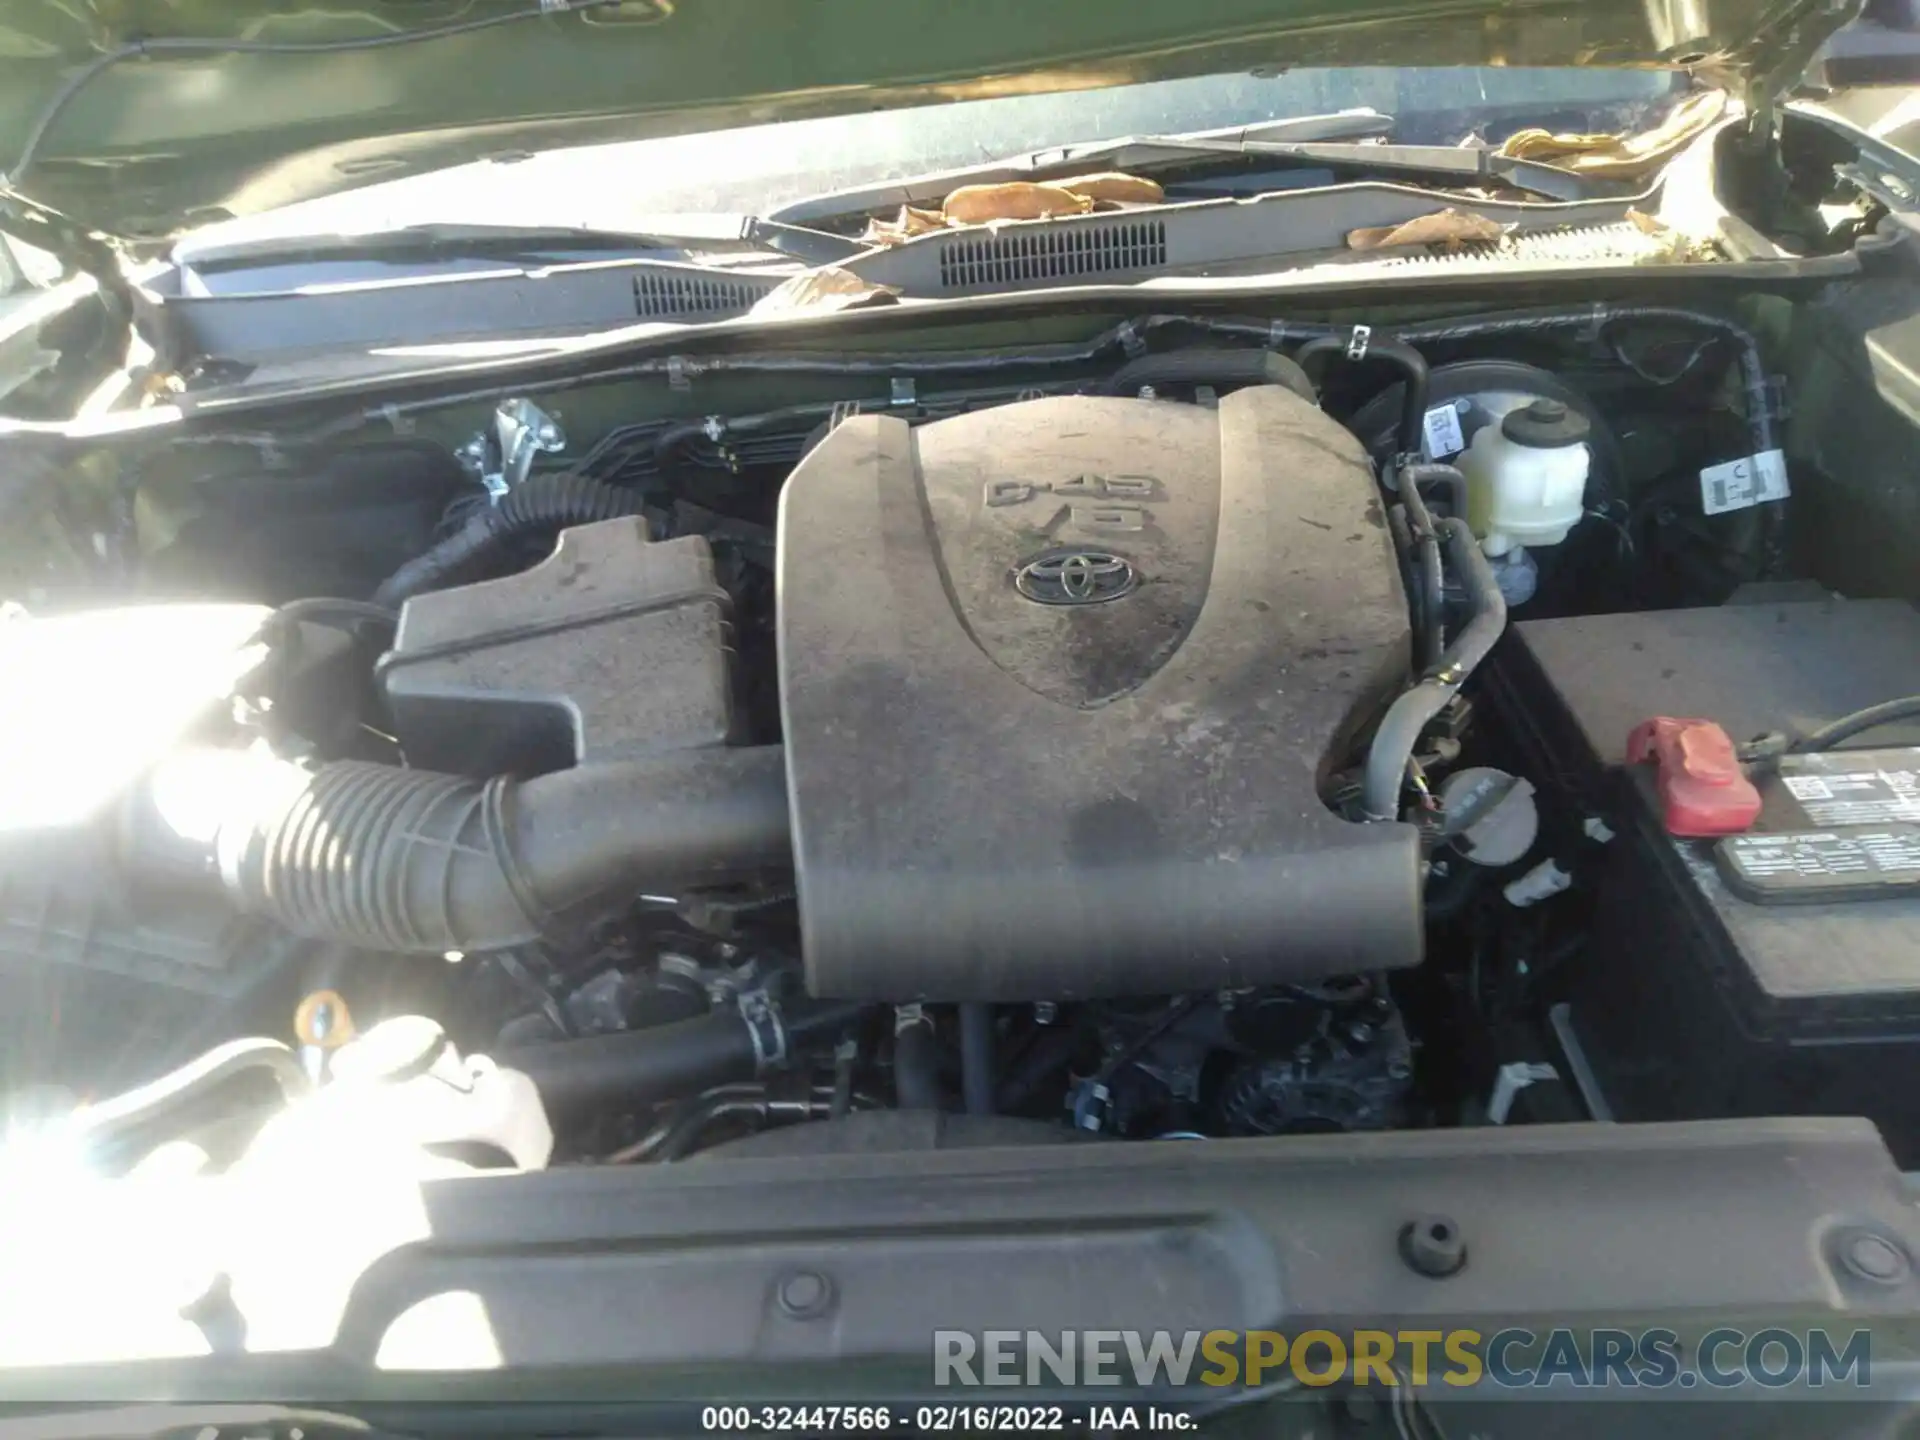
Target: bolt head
1869,1256
1433,1245
805,1295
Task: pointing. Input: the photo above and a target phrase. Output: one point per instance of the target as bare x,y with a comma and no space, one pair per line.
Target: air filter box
614,647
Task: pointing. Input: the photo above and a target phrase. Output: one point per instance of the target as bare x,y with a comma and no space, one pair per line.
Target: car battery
1774,972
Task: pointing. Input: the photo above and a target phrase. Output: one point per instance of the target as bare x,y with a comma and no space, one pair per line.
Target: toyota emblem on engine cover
1075,577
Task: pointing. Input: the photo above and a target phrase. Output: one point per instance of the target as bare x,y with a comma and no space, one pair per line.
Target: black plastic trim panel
639,1273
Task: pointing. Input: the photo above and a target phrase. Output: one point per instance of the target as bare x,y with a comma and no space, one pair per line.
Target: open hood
131,121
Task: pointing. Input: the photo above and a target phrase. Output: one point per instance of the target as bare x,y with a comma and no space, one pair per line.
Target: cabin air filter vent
1051,252
672,294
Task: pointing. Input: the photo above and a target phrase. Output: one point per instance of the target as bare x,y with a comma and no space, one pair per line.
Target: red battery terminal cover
1703,789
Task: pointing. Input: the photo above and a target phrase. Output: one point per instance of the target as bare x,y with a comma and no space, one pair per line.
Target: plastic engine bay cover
1061,682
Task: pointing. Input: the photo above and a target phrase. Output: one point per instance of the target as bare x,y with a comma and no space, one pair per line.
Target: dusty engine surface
1124,756
1061,683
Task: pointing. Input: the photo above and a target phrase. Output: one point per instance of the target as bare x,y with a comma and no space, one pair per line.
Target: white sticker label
1443,432
1739,484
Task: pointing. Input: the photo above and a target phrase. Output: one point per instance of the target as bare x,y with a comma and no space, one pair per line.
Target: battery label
1822,865
1867,787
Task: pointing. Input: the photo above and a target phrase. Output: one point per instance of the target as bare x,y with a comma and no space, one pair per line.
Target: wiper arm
1131,152
1458,165
526,243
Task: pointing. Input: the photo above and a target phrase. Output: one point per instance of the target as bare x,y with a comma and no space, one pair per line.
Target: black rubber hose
976,1057
1424,473
640,1067
668,442
1430,607
1408,716
1397,351
702,1113
1401,529
916,1062
413,861
138,1109
1838,732
539,508
1211,367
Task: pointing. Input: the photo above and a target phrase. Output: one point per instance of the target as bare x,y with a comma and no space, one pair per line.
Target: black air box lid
614,647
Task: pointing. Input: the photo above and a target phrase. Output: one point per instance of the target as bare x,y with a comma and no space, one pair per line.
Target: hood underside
139,119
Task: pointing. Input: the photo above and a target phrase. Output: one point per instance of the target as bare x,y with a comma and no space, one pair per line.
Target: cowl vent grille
1048,252
674,294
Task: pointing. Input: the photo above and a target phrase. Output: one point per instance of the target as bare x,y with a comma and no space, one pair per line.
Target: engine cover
1061,683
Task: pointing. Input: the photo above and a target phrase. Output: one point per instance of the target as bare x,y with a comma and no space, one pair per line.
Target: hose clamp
1357,342
1132,343
764,1028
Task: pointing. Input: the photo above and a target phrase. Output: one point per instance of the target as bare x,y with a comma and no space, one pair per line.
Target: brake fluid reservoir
1527,477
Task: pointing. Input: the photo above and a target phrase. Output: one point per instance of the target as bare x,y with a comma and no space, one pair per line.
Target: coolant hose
541,506
1408,716
1357,346
1211,367
414,861
977,1077
640,1067
916,1060
1430,609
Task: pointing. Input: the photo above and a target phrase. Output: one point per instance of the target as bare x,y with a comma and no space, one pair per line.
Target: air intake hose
542,506
414,861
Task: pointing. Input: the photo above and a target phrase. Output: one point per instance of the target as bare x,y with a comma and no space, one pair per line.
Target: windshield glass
755,170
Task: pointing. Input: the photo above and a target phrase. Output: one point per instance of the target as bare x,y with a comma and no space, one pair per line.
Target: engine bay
1239,733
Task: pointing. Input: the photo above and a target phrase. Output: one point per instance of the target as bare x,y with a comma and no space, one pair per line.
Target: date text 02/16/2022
940,1419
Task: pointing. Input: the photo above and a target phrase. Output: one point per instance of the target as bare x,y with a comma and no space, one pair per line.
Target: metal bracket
1357,342
902,391
1509,1082
501,460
